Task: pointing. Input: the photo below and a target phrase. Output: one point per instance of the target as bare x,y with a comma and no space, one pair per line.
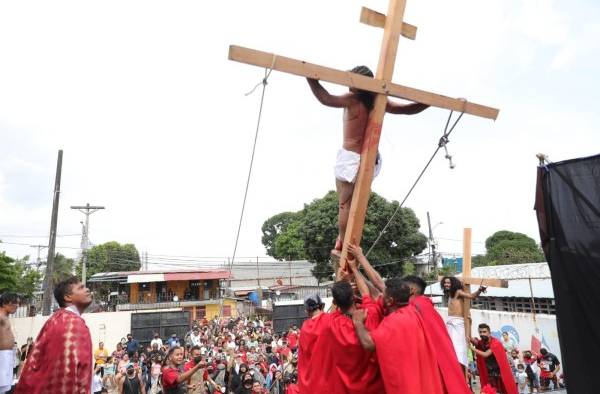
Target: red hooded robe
315,362
507,380
437,334
61,360
405,355
357,369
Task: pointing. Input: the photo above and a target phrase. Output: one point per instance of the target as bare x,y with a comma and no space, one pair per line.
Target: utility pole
39,250
87,210
431,247
48,284
290,268
259,292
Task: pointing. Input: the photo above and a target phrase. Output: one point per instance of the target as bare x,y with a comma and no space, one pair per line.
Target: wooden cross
393,26
468,280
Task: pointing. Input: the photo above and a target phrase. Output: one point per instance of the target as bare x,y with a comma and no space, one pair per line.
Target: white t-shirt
158,341
96,383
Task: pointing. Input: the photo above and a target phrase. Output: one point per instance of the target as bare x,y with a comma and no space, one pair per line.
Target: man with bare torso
8,305
453,298
357,104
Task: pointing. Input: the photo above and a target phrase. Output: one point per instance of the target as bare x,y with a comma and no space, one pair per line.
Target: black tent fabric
568,212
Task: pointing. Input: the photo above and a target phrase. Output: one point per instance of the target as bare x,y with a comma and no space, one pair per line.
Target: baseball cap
313,302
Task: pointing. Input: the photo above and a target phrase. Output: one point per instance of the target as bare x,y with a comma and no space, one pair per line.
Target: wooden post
385,71
466,271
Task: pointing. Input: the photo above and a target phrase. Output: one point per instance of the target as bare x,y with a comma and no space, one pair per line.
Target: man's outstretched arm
358,317
328,99
372,274
404,109
471,296
363,289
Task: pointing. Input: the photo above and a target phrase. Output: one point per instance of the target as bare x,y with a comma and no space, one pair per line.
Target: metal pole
257,272
290,267
48,283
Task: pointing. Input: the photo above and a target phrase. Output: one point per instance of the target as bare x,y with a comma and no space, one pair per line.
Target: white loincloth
347,163
456,330
7,363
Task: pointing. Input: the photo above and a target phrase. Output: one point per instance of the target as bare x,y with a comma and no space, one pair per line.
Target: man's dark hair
543,351
367,98
195,347
483,325
398,290
343,295
64,288
9,298
455,285
417,281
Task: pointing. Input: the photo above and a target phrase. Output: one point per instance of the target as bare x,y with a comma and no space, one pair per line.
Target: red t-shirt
293,340
284,351
191,364
169,377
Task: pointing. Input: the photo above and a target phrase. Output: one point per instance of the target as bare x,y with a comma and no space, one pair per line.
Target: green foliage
507,247
479,260
63,268
8,275
18,276
311,233
408,269
281,238
110,257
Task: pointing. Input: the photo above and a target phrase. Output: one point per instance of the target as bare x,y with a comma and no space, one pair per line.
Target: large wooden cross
393,26
468,280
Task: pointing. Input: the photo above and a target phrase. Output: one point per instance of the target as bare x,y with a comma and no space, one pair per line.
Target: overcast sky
155,126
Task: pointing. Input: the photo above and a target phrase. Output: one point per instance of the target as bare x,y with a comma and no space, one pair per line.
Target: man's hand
353,264
482,289
359,315
356,251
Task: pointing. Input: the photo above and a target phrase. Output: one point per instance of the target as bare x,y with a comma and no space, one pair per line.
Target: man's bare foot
338,243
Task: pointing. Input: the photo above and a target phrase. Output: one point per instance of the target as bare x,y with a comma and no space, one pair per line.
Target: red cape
437,335
507,379
315,360
331,359
405,354
61,360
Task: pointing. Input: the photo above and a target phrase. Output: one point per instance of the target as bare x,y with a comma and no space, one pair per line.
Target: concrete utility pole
48,284
87,210
39,250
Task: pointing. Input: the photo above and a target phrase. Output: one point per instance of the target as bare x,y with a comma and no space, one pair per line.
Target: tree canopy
507,247
311,232
110,257
17,275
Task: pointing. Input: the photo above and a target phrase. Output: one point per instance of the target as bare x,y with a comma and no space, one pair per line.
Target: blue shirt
132,346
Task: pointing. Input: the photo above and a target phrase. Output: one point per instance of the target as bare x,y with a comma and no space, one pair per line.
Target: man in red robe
314,356
61,361
401,338
492,362
437,334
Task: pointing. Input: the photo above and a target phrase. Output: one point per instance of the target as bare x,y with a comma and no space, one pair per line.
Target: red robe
507,381
61,361
315,361
357,369
437,334
406,357
331,359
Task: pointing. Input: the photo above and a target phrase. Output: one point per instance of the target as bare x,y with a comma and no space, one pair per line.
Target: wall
520,327
108,327
213,310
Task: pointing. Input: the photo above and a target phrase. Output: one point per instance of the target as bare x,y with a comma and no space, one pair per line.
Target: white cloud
155,125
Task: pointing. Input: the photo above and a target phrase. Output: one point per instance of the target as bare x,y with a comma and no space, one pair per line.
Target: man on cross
453,298
357,104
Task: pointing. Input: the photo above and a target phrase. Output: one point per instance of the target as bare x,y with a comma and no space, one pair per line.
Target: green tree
110,257
280,236
28,278
63,268
315,228
507,247
8,274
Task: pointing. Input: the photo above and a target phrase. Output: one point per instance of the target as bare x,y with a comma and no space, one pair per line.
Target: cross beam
393,27
345,78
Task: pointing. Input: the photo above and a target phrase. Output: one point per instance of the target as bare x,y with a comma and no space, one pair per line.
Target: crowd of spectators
221,355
